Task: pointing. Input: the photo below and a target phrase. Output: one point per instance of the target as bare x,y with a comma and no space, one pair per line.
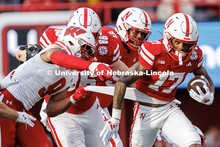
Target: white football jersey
38,78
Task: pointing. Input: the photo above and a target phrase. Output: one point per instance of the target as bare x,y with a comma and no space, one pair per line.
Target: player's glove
25,118
8,80
161,136
101,69
79,94
205,98
31,51
111,128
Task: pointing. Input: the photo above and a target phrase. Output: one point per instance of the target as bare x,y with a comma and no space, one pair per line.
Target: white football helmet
183,28
79,40
136,19
87,18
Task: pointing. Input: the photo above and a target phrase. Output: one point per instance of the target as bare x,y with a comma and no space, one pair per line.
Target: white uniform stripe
146,58
147,52
200,63
116,57
43,42
53,132
116,50
46,38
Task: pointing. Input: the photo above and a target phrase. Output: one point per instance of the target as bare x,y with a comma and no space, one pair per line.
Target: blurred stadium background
23,22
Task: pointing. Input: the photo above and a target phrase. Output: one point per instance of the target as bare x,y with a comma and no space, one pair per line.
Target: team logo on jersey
189,64
194,56
103,50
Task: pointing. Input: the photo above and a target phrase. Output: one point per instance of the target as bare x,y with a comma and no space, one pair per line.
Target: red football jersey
164,73
110,48
108,51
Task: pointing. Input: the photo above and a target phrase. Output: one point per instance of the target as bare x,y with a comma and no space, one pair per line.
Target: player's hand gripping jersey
155,83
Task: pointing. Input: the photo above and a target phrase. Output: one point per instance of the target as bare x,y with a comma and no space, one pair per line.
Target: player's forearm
203,71
119,93
55,108
6,112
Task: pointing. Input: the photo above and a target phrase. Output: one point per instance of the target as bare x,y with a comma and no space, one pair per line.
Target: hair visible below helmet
183,28
78,40
87,18
136,19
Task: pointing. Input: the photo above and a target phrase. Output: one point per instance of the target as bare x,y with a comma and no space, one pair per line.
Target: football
198,81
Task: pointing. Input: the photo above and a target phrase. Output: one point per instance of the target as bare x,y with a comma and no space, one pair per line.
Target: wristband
116,113
72,100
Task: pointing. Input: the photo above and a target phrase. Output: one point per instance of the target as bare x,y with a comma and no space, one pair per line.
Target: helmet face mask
79,40
87,52
132,37
133,19
86,18
182,28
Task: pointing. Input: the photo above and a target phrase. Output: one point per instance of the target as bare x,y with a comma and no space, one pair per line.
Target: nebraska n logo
126,16
169,23
142,116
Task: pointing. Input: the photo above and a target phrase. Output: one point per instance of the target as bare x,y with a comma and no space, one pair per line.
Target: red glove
101,70
79,94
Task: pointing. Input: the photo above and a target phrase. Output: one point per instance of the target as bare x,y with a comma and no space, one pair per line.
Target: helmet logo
125,17
103,50
169,23
194,56
74,31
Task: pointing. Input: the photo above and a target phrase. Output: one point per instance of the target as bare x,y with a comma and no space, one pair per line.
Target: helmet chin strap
180,57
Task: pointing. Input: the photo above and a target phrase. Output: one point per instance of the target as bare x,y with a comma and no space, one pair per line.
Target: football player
129,35
178,53
37,78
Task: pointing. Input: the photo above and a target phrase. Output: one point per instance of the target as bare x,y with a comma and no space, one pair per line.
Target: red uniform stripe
136,109
145,18
85,17
112,142
187,25
56,138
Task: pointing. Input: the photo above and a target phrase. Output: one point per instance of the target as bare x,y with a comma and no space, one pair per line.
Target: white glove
8,80
161,136
205,98
111,128
25,118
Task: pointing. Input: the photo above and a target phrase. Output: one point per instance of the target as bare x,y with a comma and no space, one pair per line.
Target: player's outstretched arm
22,117
59,57
112,126
58,103
8,80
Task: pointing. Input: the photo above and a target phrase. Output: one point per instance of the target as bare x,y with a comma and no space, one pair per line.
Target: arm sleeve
146,57
69,61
